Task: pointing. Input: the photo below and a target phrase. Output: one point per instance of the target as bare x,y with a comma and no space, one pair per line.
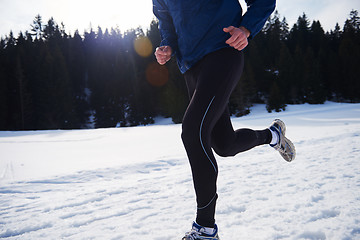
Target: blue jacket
194,28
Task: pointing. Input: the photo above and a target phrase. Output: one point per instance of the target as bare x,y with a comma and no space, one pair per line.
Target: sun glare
156,74
122,14
143,46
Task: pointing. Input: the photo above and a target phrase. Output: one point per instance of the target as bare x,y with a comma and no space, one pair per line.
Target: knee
189,135
223,151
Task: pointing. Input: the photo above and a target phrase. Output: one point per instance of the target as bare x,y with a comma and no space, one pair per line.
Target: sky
17,15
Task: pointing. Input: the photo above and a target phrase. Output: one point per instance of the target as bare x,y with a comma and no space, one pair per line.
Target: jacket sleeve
258,12
166,26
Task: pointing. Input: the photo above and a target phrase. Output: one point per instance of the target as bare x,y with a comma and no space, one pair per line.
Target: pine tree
284,30
77,73
3,89
286,76
273,32
37,27
21,93
349,52
297,88
316,36
276,100
352,24
244,94
8,66
51,30
299,34
254,57
312,79
10,41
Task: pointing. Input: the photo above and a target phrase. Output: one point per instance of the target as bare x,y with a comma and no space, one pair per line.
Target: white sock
209,231
275,137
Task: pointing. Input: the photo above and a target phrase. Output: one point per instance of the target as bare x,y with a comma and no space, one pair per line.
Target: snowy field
135,183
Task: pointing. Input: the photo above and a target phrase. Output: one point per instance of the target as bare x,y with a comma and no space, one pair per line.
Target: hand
239,37
163,54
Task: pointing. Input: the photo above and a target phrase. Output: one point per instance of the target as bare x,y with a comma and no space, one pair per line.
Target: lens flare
156,74
143,46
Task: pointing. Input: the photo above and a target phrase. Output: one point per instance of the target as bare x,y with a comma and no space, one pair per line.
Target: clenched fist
239,37
163,54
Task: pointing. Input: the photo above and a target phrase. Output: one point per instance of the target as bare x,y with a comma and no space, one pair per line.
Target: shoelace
191,235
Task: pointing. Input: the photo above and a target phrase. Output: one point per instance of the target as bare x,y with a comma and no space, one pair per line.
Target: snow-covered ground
135,183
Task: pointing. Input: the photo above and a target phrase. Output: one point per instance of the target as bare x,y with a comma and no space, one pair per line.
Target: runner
207,37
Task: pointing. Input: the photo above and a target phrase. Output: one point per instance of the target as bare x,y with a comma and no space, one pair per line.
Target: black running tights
206,125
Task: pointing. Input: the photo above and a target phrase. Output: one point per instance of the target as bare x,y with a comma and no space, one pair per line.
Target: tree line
50,79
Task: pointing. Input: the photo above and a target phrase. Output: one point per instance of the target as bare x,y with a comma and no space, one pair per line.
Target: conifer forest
50,79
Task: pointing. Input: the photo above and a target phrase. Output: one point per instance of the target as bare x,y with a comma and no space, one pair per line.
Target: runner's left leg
210,83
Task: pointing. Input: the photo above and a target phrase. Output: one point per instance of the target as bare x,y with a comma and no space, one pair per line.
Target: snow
135,183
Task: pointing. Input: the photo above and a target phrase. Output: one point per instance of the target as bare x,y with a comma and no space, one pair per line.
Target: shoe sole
289,157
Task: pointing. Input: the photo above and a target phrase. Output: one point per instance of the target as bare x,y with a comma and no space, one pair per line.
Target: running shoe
284,146
199,232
